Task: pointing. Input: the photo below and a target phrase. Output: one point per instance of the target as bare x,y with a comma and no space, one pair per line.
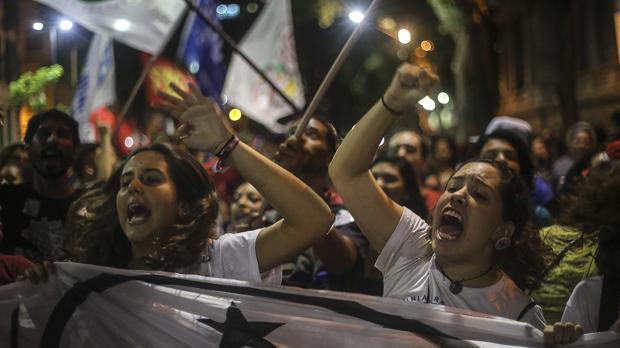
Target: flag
91,306
96,86
145,25
271,46
200,50
162,73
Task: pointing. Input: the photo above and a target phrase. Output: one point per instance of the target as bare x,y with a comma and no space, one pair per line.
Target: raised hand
410,84
290,154
203,126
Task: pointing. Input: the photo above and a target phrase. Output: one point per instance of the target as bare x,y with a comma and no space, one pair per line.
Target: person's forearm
356,152
337,252
299,206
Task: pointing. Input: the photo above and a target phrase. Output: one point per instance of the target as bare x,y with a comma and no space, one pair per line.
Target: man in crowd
337,261
33,215
410,146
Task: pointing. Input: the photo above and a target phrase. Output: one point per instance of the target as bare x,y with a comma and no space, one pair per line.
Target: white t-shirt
409,272
233,256
584,303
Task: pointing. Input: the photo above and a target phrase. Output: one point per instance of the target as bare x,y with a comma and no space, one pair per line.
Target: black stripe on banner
75,296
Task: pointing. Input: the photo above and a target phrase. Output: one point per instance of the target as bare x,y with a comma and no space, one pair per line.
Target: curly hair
94,218
524,259
592,208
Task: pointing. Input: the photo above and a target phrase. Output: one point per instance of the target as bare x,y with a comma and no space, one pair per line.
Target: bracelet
388,108
225,152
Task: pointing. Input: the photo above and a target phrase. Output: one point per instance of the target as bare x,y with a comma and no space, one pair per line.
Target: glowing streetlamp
356,16
404,36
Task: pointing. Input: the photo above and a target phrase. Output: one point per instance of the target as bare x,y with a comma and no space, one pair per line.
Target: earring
502,243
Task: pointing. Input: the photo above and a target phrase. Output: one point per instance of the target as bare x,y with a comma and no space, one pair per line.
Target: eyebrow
146,170
482,182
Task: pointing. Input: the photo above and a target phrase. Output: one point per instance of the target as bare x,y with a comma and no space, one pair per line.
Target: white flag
96,87
271,46
90,306
145,25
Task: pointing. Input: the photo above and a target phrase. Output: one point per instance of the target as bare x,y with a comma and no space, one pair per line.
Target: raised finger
184,95
169,98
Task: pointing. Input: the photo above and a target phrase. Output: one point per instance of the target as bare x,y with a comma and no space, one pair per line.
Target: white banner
145,25
96,87
90,306
270,44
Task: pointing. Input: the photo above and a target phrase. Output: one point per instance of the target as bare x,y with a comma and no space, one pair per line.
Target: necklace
456,286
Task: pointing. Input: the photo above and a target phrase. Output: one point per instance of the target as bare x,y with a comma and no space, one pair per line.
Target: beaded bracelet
396,113
225,152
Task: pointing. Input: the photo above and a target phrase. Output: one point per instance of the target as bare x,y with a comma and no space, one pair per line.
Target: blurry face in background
503,151
582,143
19,156
443,153
408,145
11,174
314,142
540,150
245,207
52,148
390,180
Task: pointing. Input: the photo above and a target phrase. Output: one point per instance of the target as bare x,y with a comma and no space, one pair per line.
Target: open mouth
137,213
450,226
51,153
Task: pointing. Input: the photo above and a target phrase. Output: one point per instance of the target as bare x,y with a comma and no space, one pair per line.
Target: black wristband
388,108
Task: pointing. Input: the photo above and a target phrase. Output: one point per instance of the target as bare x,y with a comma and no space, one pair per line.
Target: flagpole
134,92
237,50
331,74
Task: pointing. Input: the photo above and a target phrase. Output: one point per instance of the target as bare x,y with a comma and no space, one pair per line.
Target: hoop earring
502,243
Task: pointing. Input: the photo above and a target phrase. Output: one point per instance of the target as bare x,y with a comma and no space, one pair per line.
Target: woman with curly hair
158,209
475,254
583,245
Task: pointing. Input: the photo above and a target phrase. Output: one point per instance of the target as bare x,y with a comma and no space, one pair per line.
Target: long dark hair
524,259
93,218
593,209
414,200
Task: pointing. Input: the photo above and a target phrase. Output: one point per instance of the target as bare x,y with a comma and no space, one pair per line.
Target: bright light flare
121,25
427,103
65,25
404,36
234,114
443,98
38,26
356,16
427,45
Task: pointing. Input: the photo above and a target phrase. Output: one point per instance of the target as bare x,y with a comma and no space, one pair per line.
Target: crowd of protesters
513,229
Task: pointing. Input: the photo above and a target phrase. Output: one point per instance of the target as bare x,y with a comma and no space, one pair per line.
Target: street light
404,36
64,25
356,16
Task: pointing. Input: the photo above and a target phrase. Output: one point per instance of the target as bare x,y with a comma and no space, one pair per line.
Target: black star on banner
238,332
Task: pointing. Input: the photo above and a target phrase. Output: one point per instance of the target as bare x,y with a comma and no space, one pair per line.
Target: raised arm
305,216
375,213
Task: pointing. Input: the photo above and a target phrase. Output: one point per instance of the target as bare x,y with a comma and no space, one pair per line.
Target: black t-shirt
32,224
